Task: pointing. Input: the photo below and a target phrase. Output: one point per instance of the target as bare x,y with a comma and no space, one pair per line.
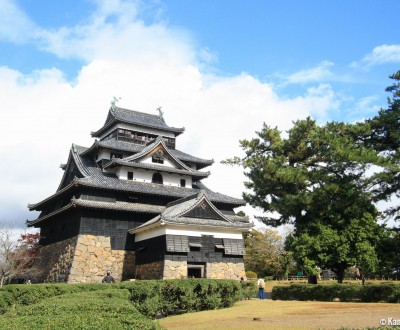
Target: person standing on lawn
261,287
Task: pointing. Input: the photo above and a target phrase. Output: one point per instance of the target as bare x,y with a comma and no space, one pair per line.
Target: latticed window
158,157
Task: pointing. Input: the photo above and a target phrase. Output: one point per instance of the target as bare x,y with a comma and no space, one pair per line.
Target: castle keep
134,204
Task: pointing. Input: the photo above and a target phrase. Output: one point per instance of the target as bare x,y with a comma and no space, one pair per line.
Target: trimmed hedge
169,297
150,298
21,294
365,293
103,309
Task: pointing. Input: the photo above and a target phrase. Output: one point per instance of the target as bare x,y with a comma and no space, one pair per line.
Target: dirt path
268,314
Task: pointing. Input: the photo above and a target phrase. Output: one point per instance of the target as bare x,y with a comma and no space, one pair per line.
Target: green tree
389,255
316,179
17,256
382,132
265,254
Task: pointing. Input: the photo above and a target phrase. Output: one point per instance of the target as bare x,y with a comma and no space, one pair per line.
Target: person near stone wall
108,278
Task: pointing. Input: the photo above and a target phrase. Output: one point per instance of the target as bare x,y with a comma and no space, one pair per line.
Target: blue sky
219,68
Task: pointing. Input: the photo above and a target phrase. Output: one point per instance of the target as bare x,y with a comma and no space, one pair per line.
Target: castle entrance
195,270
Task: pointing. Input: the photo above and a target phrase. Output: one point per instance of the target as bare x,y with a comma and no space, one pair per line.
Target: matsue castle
134,204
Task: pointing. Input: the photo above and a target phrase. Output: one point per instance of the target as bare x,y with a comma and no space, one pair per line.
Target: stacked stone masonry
94,257
223,270
54,261
87,258
150,271
175,269
84,259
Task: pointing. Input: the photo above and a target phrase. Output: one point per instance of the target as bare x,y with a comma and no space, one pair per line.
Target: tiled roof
197,222
117,206
117,114
176,211
133,161
93,176
180,207
98,178
133,148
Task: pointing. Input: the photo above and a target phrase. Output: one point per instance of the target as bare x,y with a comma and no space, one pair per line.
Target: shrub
102,309
166,297
249,289
251,274
169,297
367,293
29,294
383,292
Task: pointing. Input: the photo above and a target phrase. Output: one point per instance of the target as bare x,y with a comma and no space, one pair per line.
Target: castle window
157,178
183,183
130,175
158,157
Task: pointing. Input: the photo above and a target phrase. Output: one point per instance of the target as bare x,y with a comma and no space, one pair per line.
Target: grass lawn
268,314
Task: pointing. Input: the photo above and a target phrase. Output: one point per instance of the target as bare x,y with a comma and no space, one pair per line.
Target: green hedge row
21,294
102,309
343,292
164,297
169,297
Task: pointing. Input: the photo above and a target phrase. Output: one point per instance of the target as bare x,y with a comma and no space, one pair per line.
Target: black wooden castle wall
60,228
159,248
93,222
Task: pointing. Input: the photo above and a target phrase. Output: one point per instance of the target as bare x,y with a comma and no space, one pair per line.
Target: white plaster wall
187,231
142,175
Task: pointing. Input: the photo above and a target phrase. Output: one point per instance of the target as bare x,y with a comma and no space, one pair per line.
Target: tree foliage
389,254
382,132
326,180
266,255
17,256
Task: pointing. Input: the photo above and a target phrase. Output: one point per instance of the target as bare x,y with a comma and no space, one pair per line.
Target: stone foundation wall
94,256
83,259
86,259
54,261
150,271
175,269
222,270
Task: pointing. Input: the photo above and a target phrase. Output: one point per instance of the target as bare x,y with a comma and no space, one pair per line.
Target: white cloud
15,25
148,66
320,73
380,55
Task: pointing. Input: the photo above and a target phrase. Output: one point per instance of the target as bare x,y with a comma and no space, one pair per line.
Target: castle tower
134,204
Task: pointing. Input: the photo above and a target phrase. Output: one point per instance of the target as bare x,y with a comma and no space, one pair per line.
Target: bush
249,289
169,297
251,274
19,294
383,292
367,293
102,309
150,298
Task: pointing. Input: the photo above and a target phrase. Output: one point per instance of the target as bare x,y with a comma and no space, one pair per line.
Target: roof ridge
139,112
157,142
